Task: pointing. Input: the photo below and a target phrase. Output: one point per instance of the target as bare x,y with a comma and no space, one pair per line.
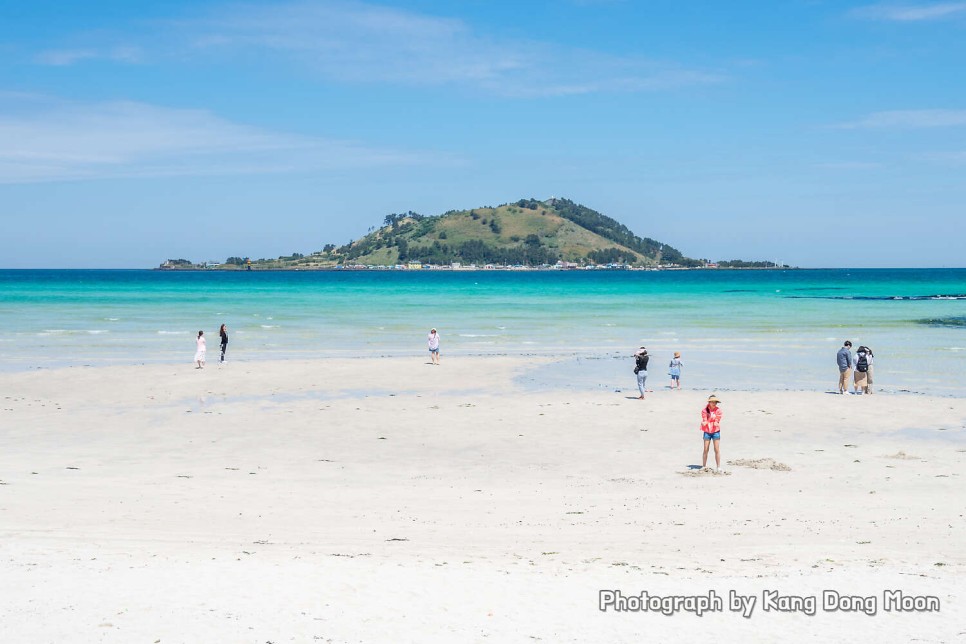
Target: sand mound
761,464
706,471
902,456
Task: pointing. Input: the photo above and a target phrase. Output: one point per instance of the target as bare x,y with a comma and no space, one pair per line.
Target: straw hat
713,399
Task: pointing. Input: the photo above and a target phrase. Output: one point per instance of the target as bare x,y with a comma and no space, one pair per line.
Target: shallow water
736,329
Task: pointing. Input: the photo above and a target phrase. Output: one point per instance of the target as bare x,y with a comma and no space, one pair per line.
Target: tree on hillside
616,231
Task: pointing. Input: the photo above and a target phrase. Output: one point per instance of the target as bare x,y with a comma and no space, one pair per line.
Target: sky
818,134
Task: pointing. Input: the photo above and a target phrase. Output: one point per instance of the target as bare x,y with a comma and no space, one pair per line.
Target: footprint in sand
761,464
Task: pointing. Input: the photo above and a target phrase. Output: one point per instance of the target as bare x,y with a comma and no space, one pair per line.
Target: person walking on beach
433,341
869,373
640,368
223,332
863,365
674,370
711,426
201,350
844,360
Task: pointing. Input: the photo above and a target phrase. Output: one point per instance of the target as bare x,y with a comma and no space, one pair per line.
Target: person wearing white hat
433,342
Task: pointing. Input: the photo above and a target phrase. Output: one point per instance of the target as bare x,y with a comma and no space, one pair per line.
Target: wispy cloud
56,141
910,12
361,43
849,165
65,57
957,157
907,119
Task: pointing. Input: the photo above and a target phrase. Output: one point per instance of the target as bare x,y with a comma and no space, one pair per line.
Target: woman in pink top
711,426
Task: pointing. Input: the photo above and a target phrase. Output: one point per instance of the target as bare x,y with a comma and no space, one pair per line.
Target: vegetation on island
527,233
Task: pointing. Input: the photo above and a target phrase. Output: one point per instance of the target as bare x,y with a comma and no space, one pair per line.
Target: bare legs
717,454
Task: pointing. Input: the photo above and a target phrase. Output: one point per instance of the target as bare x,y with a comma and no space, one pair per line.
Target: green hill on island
527,233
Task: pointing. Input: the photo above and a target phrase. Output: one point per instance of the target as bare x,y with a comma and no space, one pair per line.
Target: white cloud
908,119
55,141
910,12
365,43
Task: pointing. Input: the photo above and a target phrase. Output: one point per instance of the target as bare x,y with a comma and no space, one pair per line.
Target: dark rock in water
954,321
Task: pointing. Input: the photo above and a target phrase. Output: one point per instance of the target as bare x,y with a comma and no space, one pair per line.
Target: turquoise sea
735,329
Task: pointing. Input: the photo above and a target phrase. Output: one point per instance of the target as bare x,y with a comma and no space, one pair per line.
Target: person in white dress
202,349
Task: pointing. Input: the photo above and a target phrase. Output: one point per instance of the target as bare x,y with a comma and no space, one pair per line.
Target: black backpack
862,364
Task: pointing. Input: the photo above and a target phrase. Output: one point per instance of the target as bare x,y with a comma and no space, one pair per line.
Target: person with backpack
863,362
640,369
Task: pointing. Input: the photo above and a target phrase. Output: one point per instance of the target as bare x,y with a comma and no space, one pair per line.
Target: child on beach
674,370
433,341
200,350
711,426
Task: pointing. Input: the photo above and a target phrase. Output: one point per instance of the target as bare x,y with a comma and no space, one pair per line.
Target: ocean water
735,329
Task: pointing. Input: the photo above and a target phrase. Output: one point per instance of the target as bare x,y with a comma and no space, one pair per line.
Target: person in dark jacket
863,370
640,368
223,332
844,360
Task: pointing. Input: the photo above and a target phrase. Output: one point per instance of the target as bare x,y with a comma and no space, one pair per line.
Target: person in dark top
845,363
223,332
640,368
863,369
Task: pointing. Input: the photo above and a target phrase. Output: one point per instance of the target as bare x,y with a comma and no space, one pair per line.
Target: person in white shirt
433,341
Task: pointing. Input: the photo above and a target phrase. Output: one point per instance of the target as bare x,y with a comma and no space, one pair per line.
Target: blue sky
817,133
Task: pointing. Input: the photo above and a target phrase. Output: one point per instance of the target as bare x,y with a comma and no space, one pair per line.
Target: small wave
955,321
880,298
112,319
96,331
269,326
818,288
478,335
172,333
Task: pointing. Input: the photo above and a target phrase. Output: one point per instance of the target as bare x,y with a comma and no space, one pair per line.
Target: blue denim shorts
712,437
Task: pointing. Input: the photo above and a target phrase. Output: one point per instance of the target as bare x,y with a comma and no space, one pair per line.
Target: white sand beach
393,501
